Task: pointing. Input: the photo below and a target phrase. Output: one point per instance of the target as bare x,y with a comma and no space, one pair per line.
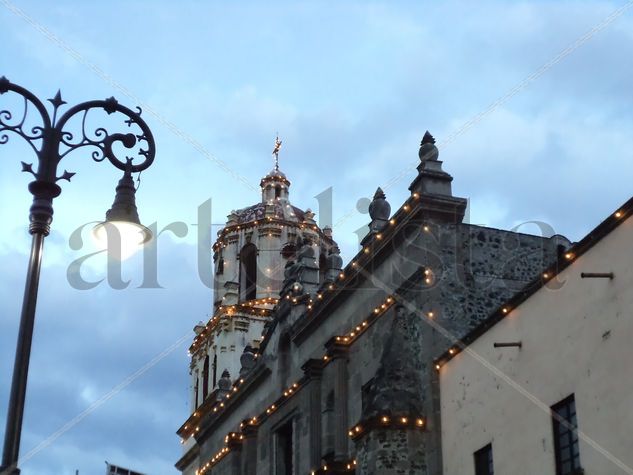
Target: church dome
277,210
275,176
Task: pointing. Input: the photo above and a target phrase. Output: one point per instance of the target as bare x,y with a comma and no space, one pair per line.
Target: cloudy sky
530,103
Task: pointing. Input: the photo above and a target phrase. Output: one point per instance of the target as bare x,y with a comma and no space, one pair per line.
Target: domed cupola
250,256
275,187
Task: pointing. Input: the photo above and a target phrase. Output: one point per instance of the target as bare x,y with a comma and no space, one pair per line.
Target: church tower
251,254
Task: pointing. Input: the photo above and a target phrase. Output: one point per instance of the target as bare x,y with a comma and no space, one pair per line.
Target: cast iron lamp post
51,143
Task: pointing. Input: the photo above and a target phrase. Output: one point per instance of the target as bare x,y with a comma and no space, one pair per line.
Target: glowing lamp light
122,239
122,233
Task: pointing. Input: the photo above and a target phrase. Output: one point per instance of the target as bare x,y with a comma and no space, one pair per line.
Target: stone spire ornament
333,264
224,384
379,212
428,150
247,360
433,185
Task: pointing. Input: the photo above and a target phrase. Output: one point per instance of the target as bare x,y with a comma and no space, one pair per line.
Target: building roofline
603,229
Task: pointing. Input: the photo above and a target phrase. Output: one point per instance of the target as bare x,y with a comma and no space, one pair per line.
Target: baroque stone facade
343,378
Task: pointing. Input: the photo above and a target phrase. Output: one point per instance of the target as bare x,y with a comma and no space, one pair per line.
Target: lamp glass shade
122,239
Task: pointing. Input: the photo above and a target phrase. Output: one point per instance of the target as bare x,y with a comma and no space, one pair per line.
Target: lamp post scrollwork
51,143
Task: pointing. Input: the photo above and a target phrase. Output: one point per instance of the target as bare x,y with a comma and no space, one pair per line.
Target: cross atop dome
276,152
275,184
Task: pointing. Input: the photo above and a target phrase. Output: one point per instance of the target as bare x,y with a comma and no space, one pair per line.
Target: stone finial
379,208
199,328
379,211
327,230
231,218
428,138
435,184
308,216
292,278
333,264
247,360
301,274
428,150
224,383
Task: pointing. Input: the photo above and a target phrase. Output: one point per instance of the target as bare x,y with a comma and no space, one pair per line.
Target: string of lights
547,275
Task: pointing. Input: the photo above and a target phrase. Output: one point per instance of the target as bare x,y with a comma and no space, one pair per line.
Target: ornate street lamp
51,143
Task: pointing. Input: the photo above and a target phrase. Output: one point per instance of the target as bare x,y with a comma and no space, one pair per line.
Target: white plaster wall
575,340
270,263
234,341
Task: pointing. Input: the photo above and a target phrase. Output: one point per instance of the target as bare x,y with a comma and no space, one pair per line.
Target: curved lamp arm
47,139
